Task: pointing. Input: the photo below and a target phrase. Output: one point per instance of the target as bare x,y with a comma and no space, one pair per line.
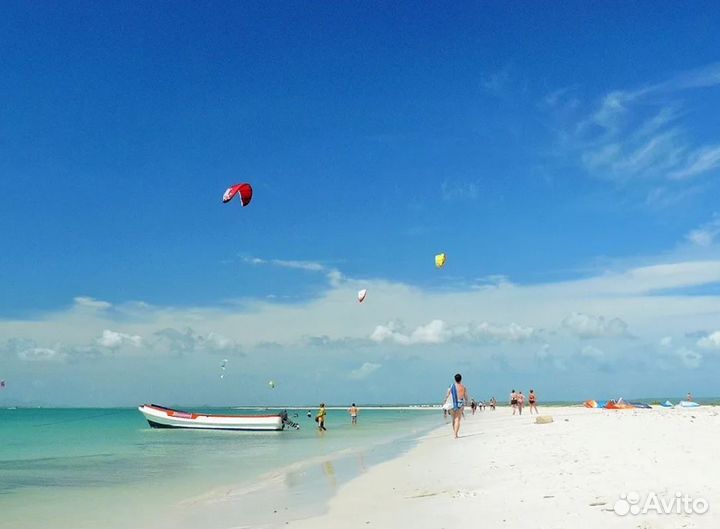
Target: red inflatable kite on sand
244,191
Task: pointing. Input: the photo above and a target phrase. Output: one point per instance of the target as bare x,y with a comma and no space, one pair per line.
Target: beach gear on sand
543,419
688,404
667,404
641,405
590,404
619,405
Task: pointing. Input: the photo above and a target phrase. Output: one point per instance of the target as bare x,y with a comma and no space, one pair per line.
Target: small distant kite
244,191
271,384
361,295
222,367
440,260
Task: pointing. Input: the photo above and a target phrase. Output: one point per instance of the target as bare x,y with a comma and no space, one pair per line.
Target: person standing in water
532,399
458,394
353,411
320,417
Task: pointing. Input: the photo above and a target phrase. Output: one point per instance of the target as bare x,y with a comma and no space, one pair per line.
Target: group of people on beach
457,397
481,405
517,401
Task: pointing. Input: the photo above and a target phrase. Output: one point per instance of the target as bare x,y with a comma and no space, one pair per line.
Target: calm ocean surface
106,468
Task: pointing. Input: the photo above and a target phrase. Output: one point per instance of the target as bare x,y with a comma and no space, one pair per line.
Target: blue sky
547,151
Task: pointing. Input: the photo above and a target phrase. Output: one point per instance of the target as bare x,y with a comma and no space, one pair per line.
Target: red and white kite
244,191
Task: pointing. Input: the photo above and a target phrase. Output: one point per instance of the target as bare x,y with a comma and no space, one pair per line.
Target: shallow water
92,468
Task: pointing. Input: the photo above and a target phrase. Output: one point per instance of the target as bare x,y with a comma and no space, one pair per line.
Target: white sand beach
506,471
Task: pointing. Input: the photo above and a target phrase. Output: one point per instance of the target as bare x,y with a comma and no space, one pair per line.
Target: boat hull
161,417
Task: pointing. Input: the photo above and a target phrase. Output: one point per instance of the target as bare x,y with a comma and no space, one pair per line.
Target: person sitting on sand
353,411
458,393
320,417
520,402
513,401
532,398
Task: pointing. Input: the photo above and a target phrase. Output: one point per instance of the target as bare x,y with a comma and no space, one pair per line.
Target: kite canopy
361,295
244,191
440,260
271,384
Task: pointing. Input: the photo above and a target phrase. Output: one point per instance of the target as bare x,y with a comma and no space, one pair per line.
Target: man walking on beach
458,393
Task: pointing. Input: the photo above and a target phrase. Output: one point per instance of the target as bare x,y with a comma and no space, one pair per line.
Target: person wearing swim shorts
353,411
458,393
532,399
513,401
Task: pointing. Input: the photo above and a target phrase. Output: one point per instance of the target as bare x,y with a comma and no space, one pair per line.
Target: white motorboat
161,417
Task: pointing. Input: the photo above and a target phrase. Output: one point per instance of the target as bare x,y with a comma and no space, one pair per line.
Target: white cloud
113,340
589,326
188,341
705,235
333,274
521,317
711,341
642,134
91,303
590,351
699,161
689,358
437,331
666,341
41,354
364,370
432,333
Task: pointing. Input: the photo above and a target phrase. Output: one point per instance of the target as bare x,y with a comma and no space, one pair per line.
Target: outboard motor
287,422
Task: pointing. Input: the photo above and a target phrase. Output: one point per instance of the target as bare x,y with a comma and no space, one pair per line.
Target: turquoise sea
106,468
